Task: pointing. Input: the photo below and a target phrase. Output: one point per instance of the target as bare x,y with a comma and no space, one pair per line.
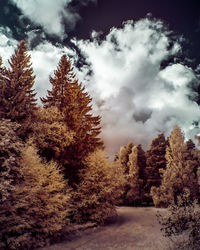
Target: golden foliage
132,186
99,190
71,99
179,172
51,135
38,206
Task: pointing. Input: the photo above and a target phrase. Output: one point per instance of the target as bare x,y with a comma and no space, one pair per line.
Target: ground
135,228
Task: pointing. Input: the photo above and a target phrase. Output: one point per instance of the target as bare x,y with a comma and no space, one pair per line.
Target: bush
182,222
99,190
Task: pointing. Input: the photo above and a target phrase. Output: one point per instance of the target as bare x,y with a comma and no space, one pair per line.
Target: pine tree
179,172
155,161
74,103
17,97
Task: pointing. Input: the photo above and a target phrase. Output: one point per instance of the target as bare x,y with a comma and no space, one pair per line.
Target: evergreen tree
155,161
17,97
179,172
74,103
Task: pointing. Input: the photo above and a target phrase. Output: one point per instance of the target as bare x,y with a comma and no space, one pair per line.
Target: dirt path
134,229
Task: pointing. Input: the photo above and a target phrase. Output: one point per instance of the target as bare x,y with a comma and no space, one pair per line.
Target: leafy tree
179,172
132,194
51,134
71,99
155,160
133,162
37,207
17,98
99,190
123,156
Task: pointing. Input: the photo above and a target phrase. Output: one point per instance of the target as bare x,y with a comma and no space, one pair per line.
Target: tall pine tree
17,97
70,97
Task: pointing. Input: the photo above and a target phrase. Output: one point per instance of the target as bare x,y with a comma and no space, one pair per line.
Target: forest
54,170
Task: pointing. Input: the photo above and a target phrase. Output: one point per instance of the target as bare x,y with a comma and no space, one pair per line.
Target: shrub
182,222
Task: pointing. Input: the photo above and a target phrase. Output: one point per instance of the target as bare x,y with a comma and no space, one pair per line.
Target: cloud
52,15
137,98
7,43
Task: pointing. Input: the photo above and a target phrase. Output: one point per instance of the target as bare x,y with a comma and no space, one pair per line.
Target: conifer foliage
71,99
17,97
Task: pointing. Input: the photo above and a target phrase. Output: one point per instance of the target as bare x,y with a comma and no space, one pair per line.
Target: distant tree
179,172
37,207
155,160
133,162
142,166
123,156
75,104
99,190
17,97
132,194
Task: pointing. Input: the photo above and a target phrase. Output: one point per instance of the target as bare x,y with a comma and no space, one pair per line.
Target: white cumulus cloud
137,98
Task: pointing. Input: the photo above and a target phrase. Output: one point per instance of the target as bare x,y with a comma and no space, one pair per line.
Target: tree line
53,168
160,175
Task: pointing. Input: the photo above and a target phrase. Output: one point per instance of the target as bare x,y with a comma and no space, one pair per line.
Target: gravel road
135,228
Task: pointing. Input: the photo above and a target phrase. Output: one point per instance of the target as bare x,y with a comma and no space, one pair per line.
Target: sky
139,60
